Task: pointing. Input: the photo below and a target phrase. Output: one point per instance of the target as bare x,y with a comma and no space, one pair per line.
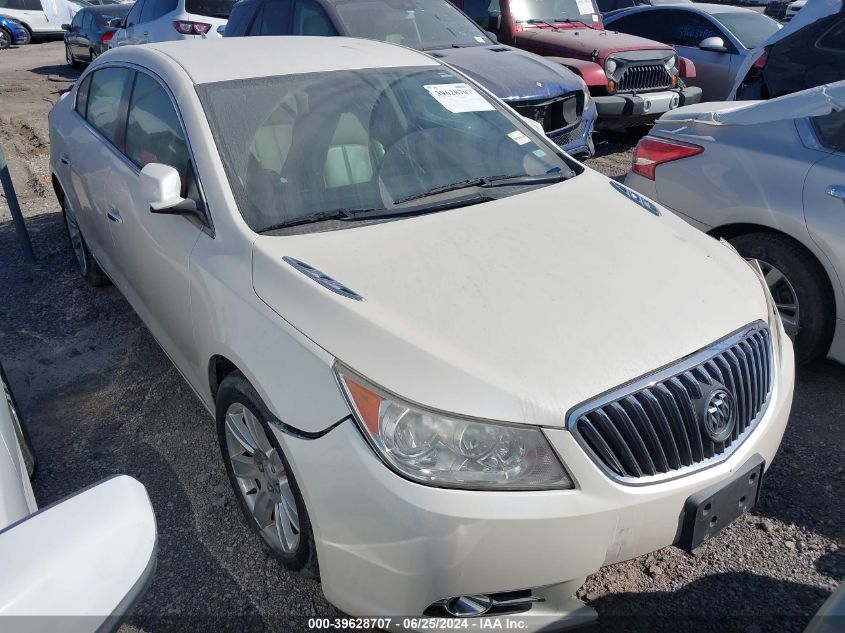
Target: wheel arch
218,368
832,281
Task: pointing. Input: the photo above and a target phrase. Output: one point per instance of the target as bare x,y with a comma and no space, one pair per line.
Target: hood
511,74
588,44
516,309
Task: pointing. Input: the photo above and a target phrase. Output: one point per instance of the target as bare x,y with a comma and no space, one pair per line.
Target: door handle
836,191
114,216
65,159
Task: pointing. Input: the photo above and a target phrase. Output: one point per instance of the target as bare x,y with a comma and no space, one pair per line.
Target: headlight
610,67
443,450
586,90
671,62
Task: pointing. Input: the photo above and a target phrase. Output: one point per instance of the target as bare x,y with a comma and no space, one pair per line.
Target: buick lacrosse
449,363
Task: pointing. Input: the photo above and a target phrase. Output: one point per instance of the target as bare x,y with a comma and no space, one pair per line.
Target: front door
153,250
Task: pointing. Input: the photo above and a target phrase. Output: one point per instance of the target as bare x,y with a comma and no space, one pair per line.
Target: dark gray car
88,35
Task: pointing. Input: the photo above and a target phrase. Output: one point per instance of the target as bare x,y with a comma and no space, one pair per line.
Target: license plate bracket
709,511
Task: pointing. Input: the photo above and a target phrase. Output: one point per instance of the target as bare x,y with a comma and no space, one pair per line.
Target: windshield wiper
322,216
489,181
538,21
573,21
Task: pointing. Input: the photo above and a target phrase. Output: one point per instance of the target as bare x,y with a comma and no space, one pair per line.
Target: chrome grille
653,429
644,77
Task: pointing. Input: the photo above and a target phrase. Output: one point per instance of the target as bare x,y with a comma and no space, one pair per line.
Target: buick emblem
719,416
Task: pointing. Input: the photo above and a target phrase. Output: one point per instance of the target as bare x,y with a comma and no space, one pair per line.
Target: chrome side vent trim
323,279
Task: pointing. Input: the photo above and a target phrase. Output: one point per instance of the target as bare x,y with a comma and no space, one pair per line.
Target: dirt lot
101,398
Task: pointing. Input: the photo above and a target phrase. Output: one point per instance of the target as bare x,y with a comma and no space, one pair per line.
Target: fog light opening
468,606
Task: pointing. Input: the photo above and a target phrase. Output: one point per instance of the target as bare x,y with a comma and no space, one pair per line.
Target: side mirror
92,554
492,36
715,44
66,27
161,187
534,125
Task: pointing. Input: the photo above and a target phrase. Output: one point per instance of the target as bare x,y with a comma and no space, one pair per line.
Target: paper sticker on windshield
459,98
519,138
585,7
595,18
479,39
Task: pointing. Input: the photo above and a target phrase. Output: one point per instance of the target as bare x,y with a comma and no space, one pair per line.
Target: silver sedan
716,37
768,176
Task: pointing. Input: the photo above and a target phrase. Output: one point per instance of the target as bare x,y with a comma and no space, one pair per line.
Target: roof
698,7
231,58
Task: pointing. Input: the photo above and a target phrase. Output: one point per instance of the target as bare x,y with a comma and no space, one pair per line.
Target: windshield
750,28
210,8
316,143
553,10
420,24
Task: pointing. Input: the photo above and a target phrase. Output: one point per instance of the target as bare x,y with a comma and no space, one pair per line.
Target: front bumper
646,104
391,547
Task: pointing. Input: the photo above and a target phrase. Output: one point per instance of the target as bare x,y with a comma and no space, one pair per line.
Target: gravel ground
101,398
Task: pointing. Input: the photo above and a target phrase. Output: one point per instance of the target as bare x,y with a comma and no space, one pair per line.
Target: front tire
800,288
261,477
27,37
5,39
85,262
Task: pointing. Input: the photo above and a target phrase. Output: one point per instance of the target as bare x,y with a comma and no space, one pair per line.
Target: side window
76,24
153,131
82,96
681,28
255,29
163,7
239,19
104,101
276,18
148,13
640,24
486,13
831,129
310,19
32,5
86,21
135,13
833,39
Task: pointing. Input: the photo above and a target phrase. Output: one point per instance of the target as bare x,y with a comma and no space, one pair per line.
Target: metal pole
15,208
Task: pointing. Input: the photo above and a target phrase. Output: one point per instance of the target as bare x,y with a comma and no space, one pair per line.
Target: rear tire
244,434
792,271
5,39
85,262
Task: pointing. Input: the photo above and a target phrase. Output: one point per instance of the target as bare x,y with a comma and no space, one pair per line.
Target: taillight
186,27
651,152
106,38
760,64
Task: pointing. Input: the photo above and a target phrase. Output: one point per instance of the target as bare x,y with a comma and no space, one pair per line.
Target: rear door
824,192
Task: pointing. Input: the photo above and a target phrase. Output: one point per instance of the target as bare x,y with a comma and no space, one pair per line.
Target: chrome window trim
650,380
207,227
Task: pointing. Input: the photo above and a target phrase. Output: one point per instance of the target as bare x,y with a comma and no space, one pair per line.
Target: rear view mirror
91,554
715,44
534,125
161,187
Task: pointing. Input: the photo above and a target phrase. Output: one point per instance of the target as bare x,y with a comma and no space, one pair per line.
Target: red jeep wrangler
632,80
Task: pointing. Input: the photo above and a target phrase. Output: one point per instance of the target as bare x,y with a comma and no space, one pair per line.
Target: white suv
165,20
447,361
41,18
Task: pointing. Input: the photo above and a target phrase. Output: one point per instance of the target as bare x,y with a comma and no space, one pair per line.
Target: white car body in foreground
770,174
457,348
16,497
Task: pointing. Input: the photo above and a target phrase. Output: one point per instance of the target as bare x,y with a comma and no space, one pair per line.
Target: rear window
210,8
750,28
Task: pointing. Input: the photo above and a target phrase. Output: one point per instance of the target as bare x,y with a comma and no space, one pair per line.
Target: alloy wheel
786,299
4,40
262,479
76,243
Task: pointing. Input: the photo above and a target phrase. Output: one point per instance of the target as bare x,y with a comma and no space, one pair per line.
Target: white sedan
770,177
447,361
